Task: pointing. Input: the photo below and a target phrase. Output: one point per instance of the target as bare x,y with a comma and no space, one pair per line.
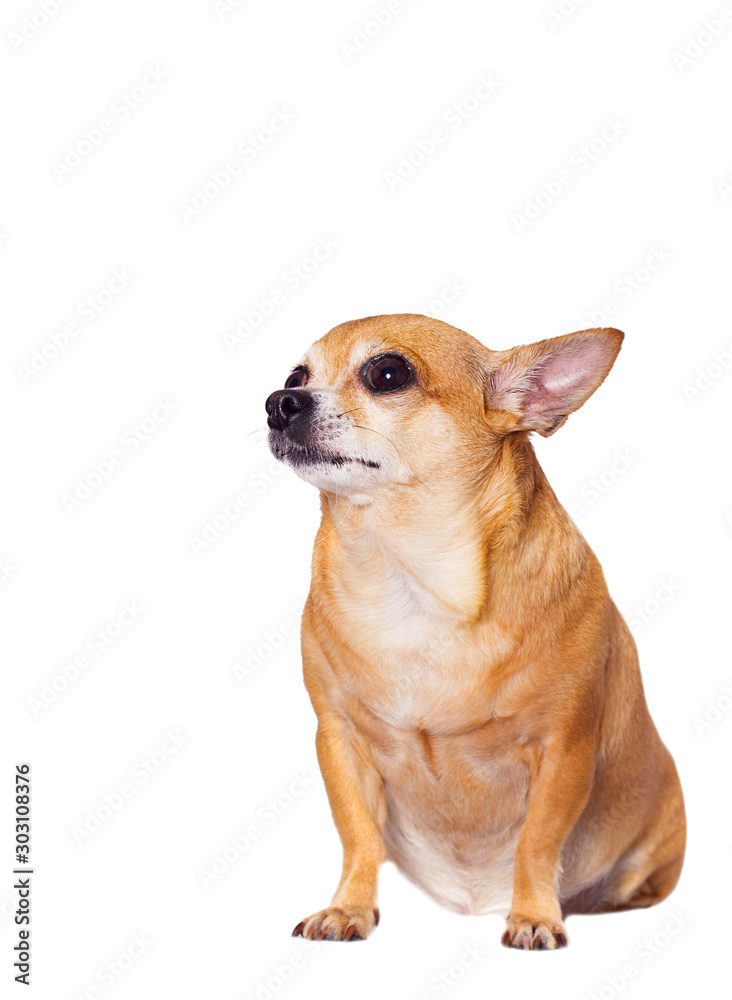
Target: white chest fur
427,659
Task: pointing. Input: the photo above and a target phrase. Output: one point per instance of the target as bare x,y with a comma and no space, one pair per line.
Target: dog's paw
533,934
334,924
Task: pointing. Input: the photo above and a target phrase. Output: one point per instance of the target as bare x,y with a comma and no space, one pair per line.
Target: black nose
284,405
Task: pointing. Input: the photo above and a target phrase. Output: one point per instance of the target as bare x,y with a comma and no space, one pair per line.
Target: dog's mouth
304,454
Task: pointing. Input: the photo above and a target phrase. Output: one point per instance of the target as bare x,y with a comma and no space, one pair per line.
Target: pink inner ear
562,381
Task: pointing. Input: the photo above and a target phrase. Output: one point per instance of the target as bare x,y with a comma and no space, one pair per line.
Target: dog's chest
418,681
414,664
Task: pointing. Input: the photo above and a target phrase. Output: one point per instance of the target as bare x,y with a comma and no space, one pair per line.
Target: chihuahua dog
481,715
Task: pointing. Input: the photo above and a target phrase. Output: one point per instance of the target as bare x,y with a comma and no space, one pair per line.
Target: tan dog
481,717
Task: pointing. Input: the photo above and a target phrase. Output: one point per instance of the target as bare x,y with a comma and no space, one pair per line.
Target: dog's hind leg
635,892
651,868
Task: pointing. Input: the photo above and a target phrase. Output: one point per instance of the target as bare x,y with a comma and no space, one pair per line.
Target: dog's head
394,399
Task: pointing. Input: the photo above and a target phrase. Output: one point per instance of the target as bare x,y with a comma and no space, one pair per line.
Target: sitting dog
481,716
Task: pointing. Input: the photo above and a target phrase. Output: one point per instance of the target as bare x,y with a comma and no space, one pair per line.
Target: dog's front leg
561,777
356,796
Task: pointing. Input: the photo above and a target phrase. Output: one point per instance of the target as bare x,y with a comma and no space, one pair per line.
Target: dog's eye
297,378
387,373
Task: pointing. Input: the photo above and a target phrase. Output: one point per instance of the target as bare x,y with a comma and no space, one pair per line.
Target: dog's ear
537,386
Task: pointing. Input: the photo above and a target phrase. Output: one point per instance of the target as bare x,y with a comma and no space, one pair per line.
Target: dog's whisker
423,483
335,526
396,449
364,428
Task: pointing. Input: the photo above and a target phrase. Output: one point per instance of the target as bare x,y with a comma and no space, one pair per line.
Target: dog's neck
448,543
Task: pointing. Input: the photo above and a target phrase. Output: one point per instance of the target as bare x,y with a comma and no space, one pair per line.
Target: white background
659,514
